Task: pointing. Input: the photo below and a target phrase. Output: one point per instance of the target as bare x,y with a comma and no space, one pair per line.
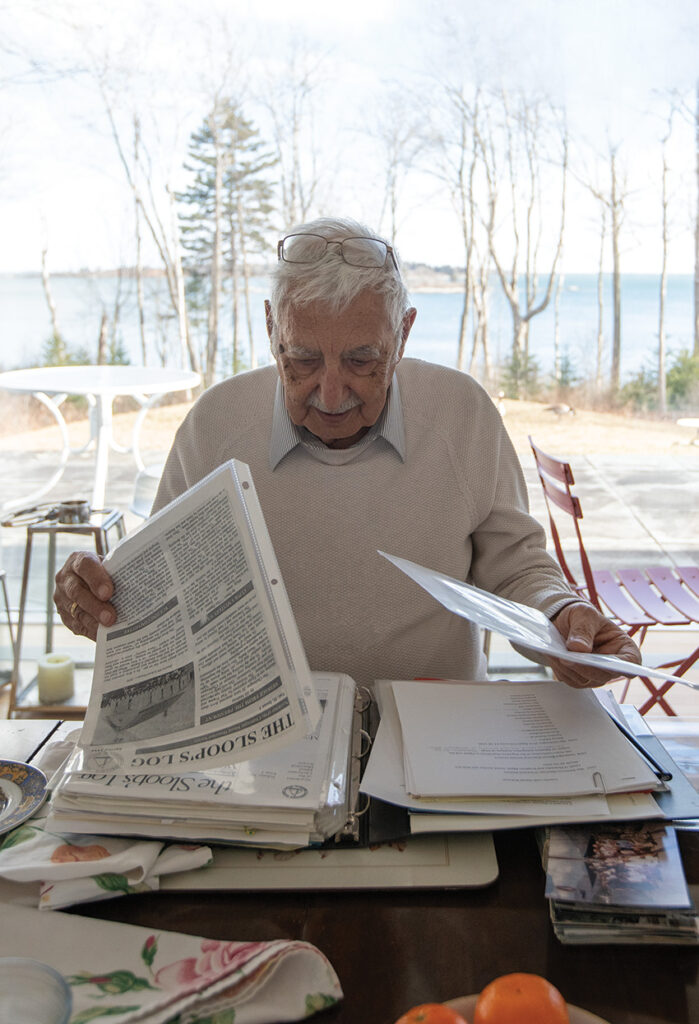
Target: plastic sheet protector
521,624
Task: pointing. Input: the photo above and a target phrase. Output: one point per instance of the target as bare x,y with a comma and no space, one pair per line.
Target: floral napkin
156,977
80,868
77,868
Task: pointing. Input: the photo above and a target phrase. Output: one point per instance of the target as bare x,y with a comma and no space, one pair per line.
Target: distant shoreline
414,272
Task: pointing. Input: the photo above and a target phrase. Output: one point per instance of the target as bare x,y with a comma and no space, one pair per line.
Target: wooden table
392,950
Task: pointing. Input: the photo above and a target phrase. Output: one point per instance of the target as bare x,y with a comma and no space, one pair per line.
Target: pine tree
224,212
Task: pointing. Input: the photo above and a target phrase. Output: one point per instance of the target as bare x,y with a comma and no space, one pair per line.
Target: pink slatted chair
637,599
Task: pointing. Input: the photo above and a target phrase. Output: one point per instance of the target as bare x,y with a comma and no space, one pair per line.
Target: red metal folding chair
638,599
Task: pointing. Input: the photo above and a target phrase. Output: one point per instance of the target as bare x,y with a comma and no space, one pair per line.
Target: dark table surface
392,950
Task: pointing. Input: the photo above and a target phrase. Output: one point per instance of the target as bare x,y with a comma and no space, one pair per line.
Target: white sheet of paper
622,807
518,622
384,778
512,739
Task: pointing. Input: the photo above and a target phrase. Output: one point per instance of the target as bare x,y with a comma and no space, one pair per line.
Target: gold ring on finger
72,609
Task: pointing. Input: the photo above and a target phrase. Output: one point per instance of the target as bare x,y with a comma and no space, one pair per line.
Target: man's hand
585,629
82,594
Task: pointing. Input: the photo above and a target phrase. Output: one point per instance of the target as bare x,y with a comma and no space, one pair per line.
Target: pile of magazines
621,883
293,797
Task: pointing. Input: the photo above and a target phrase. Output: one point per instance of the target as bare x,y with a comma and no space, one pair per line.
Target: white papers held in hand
521,624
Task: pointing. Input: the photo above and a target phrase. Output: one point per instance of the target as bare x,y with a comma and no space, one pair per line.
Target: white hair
332,281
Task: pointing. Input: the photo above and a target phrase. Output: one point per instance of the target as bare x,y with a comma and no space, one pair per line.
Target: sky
611,63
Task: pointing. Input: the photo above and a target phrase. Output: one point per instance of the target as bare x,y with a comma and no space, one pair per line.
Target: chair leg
657,697
8,616
658,693
625,691
8,613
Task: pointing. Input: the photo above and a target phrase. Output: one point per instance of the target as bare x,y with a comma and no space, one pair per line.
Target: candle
56,678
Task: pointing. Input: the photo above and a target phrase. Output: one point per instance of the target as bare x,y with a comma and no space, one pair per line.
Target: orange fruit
521,999
431,1013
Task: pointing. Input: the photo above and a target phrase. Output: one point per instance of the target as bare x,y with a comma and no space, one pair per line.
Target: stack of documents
471,756
617,884
288,798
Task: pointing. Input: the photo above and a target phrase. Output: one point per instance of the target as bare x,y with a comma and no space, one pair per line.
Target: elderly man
352,449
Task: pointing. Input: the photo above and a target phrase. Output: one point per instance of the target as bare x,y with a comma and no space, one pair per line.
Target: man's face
337,367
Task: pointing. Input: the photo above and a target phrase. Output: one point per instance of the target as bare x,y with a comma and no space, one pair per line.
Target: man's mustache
315,402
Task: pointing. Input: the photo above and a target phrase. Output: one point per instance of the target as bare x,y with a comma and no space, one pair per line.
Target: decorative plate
467,1004
23,789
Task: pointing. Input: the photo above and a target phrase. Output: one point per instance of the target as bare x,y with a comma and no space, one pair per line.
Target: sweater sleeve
509,545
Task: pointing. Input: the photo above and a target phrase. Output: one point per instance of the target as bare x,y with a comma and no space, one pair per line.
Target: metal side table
74,518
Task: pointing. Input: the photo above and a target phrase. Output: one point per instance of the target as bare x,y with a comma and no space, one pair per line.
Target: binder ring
366,745
363,698
357,814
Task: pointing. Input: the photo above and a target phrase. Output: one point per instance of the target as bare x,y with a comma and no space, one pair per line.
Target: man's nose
331,388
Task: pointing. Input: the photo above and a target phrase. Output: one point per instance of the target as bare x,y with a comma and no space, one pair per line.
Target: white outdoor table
51,385
691,421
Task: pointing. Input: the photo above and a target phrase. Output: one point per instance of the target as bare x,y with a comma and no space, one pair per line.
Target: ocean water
80,301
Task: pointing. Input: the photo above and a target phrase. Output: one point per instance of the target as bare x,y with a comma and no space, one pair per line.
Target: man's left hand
585,629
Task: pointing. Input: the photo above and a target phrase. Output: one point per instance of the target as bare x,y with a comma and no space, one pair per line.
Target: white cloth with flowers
152,976
78,868
59,870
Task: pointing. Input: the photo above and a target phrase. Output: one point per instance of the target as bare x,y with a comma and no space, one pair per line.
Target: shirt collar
286,435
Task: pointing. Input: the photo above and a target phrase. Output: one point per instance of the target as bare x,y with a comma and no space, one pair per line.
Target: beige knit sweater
457,505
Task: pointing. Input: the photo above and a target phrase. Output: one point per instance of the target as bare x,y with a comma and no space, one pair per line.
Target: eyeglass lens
364,252
358,252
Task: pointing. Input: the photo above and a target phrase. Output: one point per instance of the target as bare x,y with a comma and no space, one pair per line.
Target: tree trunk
557,329
137,228
696,238
662,392
600,305
177,295
521,334
246,282
172,261
482,308
102,340
526,200
57,337
235,293
463,322
616,303
215,274
116,317
616,279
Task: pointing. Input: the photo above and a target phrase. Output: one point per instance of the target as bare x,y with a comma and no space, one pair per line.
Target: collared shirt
286,435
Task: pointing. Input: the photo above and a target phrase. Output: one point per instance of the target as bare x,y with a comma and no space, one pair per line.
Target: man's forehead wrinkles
372,315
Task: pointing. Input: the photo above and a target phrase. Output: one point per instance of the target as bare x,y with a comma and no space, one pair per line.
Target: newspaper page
204,665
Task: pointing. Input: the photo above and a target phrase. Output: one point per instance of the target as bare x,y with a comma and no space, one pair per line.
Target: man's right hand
83,591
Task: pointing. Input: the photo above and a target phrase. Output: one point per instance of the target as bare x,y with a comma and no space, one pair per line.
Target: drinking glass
32,993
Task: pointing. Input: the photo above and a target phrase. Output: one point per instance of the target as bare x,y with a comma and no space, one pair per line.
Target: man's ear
269,319
406,327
